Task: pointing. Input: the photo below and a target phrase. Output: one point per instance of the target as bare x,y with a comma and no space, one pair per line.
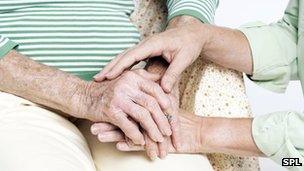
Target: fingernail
153,155
122,147
160,139
168,132
163,154
108,75
97,75
101,137
94,130
143,142
178,146
167,87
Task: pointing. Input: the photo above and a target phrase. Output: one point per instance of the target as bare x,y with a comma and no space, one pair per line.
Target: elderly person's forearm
39,83
59,90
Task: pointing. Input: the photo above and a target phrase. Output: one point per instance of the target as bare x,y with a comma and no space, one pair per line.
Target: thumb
124,146
172,74
150,76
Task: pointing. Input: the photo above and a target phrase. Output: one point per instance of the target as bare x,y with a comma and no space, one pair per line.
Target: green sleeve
6,45
274,50
280,135
204,10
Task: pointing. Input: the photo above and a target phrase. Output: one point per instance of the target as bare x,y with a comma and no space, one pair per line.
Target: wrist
183,21
90,102
76,97
211,135
206,33
228,136
204,135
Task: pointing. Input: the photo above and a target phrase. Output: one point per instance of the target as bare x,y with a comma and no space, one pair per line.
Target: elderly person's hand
190,132
179,45
112,133
130,98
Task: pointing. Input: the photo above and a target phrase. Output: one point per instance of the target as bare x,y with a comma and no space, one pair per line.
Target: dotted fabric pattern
205,88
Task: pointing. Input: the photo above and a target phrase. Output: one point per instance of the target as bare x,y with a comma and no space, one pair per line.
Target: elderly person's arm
113,101
26,78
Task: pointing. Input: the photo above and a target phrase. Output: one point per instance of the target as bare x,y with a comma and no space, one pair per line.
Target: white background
233,13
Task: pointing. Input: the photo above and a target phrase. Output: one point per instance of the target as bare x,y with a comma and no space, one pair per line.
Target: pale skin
199,135
180,47
144,102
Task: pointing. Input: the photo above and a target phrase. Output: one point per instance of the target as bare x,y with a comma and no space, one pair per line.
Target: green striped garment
79,36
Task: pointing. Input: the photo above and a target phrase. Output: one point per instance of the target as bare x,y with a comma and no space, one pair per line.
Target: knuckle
115,115
152,103
145,102
155,87
166,104
139,97
114,100
143,116
111,105
117,87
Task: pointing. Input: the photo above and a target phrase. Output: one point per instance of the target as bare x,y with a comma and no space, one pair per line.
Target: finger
152,103
144,118
145,74
175,69
102,127
102,74
163,148
123,146
176,132
157,92
151,148
149,48
111,136
130,129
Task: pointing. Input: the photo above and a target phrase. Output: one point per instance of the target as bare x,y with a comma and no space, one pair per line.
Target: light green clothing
278,56
79,36
76,36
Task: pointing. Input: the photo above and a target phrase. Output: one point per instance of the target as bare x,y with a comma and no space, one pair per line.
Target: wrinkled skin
190,127
132,98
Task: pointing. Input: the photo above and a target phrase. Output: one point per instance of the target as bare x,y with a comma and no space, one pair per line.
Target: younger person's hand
179,45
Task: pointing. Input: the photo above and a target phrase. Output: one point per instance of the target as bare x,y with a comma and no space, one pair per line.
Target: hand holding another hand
180,45
131,102
190,134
